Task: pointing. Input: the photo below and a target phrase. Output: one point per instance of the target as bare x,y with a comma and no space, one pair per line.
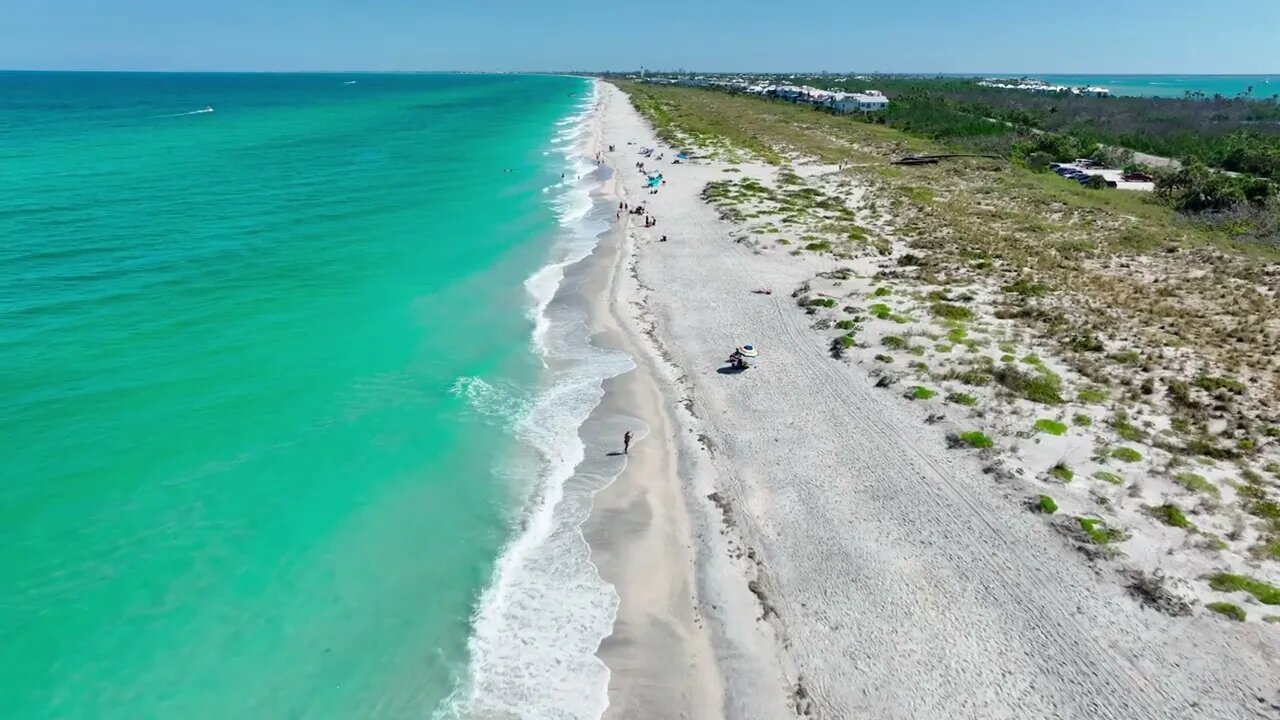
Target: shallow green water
236,482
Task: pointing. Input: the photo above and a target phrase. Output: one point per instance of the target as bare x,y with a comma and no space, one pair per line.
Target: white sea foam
504,405
540,621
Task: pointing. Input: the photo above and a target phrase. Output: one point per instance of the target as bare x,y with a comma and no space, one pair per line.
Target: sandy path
906,585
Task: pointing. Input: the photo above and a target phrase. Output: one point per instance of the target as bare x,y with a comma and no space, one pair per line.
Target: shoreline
637,528
684,612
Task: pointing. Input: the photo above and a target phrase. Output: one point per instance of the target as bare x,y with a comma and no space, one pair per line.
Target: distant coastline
1263,86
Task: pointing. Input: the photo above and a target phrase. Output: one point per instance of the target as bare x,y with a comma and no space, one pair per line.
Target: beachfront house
870,101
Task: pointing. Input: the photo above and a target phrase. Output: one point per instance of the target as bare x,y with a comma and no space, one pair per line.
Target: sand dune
841,561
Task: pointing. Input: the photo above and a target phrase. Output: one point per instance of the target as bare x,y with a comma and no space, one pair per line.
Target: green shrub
1124,454
1041,387
976,439
882,292
1196,483
884,358
942,348
957,335
821,302
1264,508
894,342
1052,427
1093,395
1007,358
1098,531
846,325
820,246
846,341
1026,287
1127,357
1170,514
1120,423
920,392
1062,472
1047,505
1086,343
951,311
1080,420
1213,384
1215,543
880,310
1109,477
1266,593
959,398
1227,609
1033,360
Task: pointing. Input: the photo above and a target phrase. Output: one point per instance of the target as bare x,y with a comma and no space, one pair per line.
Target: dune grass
1227,609
976,439
1196,483
1108,477
1171,515
1265,593
1062,472
1050,427
1099,532
1126,454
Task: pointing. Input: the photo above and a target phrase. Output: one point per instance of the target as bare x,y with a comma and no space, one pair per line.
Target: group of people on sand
649,220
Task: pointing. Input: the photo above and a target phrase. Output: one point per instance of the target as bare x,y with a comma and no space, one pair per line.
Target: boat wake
201,111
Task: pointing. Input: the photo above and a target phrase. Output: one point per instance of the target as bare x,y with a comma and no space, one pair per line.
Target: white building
869,101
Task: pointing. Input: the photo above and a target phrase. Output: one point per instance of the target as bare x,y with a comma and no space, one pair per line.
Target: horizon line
964,73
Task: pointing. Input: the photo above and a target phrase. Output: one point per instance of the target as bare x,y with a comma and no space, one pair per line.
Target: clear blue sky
1085,36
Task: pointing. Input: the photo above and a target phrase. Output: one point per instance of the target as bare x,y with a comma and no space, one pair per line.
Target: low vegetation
920,392
1037,386
1265,593
1099,533
1196,483
1051,427
1062,472
1126,454
1108,477
976,439
1227,609
1170,514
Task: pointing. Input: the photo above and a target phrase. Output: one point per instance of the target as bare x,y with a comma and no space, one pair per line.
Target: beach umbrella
748,350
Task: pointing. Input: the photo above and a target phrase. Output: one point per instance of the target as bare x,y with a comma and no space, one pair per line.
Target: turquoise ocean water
1263,86
279,423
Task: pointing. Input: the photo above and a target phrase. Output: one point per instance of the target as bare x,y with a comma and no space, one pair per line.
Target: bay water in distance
1259,87
271,347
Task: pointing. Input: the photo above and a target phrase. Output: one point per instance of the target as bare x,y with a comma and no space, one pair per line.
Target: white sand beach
792,541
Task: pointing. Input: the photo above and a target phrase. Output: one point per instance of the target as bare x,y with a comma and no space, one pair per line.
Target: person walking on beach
626,442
